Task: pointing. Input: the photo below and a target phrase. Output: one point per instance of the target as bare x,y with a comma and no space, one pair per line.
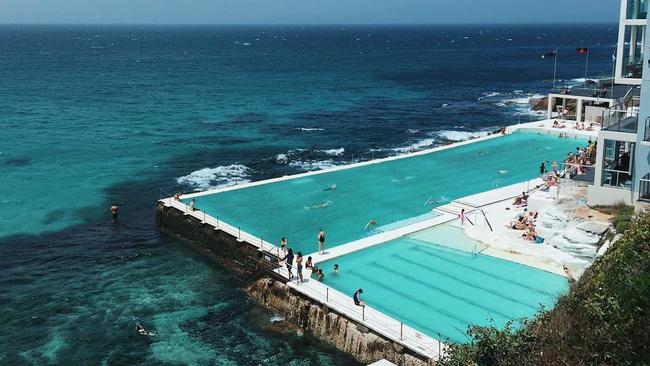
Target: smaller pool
421,280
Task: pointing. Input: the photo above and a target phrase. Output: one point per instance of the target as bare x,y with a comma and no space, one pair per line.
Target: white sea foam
212,178
415,146
460,135
412,130
307,129
488,95
282,158
313,164
333,152
276,318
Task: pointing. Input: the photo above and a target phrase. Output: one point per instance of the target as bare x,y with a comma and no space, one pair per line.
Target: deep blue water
94,115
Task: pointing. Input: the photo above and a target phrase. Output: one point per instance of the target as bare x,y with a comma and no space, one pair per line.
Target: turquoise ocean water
95,115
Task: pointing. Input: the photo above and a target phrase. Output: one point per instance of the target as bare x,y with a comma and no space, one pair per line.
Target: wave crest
212,178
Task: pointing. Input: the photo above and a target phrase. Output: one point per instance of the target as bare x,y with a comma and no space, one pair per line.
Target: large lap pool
386,192
441,291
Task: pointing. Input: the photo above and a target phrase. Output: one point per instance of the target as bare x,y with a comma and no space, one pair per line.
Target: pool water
386,192
441,291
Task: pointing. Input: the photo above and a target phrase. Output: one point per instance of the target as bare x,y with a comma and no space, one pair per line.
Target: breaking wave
212,178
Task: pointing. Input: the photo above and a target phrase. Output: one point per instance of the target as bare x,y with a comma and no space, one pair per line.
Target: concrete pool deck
379,322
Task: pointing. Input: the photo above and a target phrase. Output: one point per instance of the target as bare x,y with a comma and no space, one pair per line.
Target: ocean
93,115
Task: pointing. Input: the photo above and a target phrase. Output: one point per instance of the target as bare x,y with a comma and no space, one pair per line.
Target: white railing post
327,294
363,313
401,331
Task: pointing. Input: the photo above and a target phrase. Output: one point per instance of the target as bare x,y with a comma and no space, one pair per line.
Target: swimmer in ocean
330,188
322,205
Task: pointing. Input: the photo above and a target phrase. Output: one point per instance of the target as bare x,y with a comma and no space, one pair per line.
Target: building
622,173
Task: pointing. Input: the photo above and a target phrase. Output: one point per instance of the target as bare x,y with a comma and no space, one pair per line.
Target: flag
582,50
549,54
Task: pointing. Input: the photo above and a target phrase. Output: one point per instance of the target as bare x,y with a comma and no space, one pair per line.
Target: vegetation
603,320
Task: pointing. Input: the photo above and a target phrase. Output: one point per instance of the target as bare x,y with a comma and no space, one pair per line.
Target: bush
602,320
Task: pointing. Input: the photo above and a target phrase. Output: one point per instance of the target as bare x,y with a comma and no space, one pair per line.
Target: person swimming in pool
330,188
322,205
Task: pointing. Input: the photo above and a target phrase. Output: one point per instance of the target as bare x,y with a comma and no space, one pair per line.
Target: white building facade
622,173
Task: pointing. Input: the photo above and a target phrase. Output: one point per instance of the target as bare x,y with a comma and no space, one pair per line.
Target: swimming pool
440,291
386,192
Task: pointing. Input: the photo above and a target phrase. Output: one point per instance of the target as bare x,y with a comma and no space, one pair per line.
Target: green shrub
604,319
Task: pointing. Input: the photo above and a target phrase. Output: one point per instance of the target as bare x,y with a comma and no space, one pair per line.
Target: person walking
321,241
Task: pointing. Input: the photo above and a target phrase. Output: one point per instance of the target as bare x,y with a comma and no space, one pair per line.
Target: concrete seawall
256,269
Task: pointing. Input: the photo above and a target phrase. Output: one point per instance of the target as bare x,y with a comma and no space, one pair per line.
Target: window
617,164
637,9
632,63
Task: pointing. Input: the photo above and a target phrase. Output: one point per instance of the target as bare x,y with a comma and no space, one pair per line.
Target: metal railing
617,178
371,318
621,120
576,171
644,188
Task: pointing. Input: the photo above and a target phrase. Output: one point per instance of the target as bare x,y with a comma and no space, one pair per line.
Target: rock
594,227
540,104
603,249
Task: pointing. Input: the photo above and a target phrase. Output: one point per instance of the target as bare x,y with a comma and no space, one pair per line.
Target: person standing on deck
542,169
462,216
288,259
283,245
115,210
321,241
299,267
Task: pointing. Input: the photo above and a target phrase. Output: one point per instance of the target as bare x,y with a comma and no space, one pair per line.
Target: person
193,205
357,298
309,264
556,168
336,268
321,241
320,275
115,210
177,196
330,188
143,331
283,245
542,169
299,267
569,274
288,259
462,216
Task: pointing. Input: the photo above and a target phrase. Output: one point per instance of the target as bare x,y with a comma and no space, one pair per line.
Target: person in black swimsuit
321,241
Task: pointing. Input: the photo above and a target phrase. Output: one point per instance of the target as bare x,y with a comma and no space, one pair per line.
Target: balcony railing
644,188
646,133
621,120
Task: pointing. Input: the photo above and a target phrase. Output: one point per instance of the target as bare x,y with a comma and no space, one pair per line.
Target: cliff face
330,326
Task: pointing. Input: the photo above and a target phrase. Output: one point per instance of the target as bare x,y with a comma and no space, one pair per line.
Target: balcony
621,120
646,134
644,188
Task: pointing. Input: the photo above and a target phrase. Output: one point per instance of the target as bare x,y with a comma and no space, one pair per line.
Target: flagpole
611,93
586,64
554,68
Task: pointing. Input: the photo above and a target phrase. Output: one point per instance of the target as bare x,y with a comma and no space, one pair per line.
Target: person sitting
357,298
177,196
309,264
530,233
193,205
